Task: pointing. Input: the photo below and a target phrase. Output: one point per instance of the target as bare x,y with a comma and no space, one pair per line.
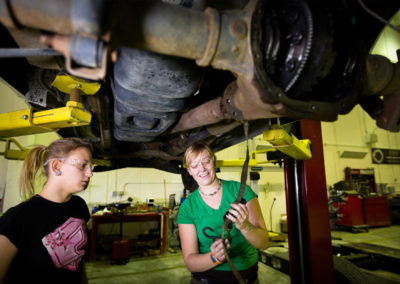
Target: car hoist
10,153
27,121
282,143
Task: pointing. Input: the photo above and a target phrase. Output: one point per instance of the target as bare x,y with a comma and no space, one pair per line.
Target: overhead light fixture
352,154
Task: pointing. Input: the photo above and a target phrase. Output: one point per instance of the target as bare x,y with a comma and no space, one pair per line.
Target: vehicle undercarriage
175,72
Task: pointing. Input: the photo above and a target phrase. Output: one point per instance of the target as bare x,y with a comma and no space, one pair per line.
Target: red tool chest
376,211
350,212
371,210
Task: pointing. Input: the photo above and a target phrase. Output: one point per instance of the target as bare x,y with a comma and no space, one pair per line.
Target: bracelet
214,260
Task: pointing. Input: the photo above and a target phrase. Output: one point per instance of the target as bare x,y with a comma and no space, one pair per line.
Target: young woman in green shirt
201,215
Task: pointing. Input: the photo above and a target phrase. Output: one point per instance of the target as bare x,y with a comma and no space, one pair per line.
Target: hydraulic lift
10,153
281,141
310,258
310,246
26,121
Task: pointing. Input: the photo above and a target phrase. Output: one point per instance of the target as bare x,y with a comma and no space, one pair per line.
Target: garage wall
353,133
11,100
138,183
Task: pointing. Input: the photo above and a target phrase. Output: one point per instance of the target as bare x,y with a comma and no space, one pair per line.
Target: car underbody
175,72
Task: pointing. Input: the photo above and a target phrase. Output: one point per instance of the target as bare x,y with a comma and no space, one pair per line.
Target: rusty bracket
227,105
62,44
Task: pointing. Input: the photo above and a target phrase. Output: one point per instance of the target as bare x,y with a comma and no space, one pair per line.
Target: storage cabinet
350,212
376,211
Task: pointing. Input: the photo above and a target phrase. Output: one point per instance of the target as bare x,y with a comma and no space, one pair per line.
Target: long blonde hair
39,155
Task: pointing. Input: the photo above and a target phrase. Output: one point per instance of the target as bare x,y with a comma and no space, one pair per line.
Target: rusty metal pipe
205,114
159,27
234,104
382,76
65,17
50,15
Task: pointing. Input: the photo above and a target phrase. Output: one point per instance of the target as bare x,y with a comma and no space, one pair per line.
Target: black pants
250,276
194,281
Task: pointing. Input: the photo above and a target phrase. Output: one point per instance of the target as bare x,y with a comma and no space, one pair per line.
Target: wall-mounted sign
385,156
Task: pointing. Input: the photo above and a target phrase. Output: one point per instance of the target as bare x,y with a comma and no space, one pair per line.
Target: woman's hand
217,249
239,215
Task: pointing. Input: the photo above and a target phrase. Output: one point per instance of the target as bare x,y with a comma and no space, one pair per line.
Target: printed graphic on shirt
64,244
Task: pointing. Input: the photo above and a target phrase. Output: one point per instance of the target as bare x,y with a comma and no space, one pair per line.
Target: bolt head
239,29
290,65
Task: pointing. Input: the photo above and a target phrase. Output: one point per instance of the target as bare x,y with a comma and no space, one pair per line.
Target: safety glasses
82,165
206,162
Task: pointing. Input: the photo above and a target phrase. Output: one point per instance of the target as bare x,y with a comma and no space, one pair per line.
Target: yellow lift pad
281,141
67,82
253,161
289,144
12,154
26,122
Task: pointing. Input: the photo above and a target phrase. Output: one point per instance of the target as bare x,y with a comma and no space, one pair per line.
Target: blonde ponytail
32,163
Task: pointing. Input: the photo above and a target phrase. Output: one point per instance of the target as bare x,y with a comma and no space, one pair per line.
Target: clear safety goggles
82,165
206,162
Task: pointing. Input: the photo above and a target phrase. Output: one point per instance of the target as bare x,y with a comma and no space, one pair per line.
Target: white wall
11,100
139,183
349,133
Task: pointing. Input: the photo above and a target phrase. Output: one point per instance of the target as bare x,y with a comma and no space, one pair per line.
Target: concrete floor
383,236
385,240
170,268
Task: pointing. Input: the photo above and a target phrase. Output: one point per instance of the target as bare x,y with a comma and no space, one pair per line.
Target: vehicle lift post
310,247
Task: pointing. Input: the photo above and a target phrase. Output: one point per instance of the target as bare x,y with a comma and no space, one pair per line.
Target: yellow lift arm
12,154
26,122
288,144
21,152
281,141
253,161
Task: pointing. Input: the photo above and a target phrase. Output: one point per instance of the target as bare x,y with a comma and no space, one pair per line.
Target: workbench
161,218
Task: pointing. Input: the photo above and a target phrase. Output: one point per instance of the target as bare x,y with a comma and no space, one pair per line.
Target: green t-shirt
195,211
